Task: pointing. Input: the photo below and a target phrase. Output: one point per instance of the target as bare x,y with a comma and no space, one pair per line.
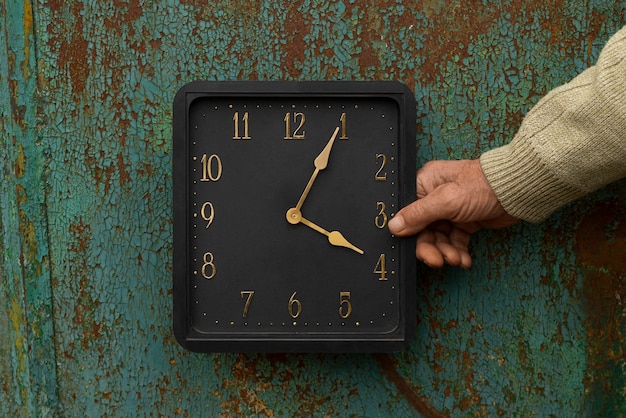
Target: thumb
416,216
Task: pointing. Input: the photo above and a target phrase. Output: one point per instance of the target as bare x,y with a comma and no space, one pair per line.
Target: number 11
246,133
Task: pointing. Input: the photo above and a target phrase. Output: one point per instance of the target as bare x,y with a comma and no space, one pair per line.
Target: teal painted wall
536,327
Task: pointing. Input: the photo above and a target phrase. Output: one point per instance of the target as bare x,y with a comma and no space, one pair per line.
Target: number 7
247,294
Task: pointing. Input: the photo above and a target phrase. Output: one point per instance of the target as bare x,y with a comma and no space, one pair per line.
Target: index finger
435,206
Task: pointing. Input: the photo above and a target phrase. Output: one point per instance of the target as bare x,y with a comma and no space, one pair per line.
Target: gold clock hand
321,161
294,216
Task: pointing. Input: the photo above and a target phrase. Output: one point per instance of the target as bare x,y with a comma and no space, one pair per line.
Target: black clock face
282,229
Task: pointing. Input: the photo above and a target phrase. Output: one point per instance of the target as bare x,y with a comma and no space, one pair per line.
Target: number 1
344,121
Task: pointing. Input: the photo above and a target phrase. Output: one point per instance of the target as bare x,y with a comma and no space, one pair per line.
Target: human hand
454,201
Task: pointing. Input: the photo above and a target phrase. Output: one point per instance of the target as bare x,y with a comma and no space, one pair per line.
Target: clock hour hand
294,216
321,161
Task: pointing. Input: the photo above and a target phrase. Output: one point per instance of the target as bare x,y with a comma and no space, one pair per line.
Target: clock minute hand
294,216
321,162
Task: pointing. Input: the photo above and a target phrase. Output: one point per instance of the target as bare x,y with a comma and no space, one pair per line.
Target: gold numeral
343,119
294,307
345,307
211,167
380,268
207,214
246,294
246,130
381,218
382,160
208,262
298,118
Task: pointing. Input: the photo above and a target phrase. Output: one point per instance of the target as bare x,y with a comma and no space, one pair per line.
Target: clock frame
252,275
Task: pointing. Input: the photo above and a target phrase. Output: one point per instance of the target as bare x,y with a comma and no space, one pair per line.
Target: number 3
381,218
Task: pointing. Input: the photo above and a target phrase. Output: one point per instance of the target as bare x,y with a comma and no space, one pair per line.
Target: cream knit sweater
570,144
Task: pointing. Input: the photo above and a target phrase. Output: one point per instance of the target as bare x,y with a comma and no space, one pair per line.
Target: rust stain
121,166
419,403
254,375
17,111
461,22
103,175
28,252
133,10
54,5
471,396
600,238
455,24
195,3
600,246
246,384
20,162
81,235
28,32
295,57
16,315
74,54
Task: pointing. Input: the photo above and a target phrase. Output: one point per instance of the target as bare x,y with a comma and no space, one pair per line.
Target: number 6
294,302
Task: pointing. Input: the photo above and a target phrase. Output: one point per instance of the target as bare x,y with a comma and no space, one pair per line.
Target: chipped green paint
28,368
534,328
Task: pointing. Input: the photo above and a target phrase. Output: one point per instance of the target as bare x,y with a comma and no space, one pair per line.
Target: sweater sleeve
569,144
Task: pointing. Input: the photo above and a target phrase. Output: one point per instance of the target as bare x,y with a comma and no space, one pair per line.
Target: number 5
345,307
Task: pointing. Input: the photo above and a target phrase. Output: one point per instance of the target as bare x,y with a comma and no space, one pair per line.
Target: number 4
380,268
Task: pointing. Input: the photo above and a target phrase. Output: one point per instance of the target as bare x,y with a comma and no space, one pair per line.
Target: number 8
208,262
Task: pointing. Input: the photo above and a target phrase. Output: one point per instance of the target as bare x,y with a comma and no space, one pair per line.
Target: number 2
380,175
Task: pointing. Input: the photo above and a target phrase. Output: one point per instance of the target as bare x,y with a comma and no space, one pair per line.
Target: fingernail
396,224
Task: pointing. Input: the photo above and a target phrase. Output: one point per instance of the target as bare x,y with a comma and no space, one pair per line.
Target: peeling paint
534,328
600,247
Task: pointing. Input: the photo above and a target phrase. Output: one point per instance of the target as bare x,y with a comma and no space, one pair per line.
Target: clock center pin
294,216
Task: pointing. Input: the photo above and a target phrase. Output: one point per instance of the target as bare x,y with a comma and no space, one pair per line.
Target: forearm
570,144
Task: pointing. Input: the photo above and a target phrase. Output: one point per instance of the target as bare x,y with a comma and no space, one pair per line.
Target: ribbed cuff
525,187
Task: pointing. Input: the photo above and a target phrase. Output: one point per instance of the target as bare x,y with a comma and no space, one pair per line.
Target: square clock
281,196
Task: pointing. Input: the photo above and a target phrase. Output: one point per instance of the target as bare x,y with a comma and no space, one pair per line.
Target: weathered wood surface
86,86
